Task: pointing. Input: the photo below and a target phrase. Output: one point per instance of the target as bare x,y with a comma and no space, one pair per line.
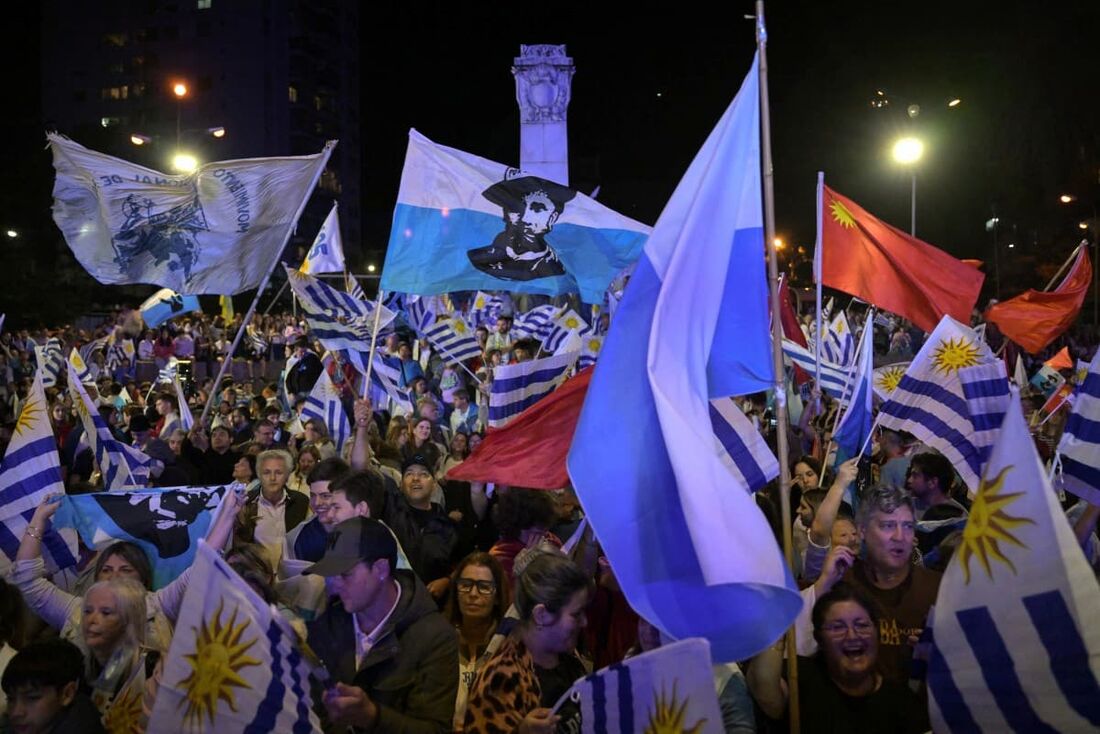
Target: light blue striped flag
854,426
29,474
1016,647
643,693
566,323
51,361
87,350
692,555
324,404
536,323
385,377
1079,448
354,289
318,297
929,401
419,313
454,339
517,387
742,448
986,390
839,346
833,376
265,683
590,350
80,367
485,309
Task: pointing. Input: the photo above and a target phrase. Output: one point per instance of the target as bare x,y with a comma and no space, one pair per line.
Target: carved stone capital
544,76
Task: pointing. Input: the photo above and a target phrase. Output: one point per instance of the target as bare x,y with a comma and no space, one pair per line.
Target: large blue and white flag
1079,448
326,255
454,339
317,296
1016,644
986,389
887,378
324,404
516,387
690,549
234,665
834,378
216,230
929,400
166,304
854,427
839,346
536,323
466,223
668,689
744,450
165,523
30,473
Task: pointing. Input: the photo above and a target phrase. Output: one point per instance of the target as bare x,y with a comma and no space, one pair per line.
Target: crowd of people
438,605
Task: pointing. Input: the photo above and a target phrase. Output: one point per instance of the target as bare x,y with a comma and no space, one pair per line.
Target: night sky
653,78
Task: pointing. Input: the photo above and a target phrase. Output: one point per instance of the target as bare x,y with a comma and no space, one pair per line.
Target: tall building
147,80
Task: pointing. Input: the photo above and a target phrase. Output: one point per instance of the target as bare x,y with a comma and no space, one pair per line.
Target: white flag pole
373,341
817,281
263,284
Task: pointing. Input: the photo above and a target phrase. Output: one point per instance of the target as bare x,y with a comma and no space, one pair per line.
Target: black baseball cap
417,460
352,541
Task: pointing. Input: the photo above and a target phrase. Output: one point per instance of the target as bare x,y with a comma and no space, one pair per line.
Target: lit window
115,39
203,4
294,94
318,103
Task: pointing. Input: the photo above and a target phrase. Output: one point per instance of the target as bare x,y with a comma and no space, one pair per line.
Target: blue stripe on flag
9,543
1068,654
999,671
30,484
987,422
1087,474
985,388
953,707
302,725
969,452
508,384
1091,385
738,451
599,704
626,698
499,412
931,390
272,705
1082,428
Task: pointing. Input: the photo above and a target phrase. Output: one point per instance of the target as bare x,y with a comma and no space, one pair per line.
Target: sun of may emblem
989,526
594,344
28,416
889,379
572,322
669,714
842,216
952,354
460,326
124,715
216,663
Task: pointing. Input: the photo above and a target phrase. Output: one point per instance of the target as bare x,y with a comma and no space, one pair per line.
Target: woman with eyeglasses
839,688
476,603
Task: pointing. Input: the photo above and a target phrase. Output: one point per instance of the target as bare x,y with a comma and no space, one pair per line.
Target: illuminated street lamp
907,151
179,89
12,234
955,102
139,139
184,162
779,244
217,132
1067,198
371,268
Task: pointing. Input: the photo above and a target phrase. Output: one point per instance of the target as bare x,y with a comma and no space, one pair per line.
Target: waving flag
51,361
385,376
565,324
234,665
643,693
186,419
354,289
833,376
454,339
517,387
839,345
691,550
324,404
29,474
215,230
165,523
466,223
1016,647
869,259
887,378
536,323
590,350
1079,447
326,255
744,450
986,390
80,367
166,304
485,309
419,313
929,401
854,427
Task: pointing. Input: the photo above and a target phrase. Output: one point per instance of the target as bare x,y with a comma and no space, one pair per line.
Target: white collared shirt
364,643
271,525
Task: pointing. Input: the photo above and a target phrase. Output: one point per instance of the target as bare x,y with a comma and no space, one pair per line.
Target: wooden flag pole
781,427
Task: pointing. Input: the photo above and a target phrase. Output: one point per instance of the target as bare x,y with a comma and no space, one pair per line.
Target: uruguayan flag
385,375
834,378
674,683
567,323
354,289
87,350
1080,445
216,230
839,345
691,552
536,323
419,313
485,309
590,350
887,378
929,401
1016,644
986,390
234,665
327,253
166,304
319,297
29,474
186,419
517,387
454,339
854,426
324,403
743,449
51,361
80,367
466,223
168,372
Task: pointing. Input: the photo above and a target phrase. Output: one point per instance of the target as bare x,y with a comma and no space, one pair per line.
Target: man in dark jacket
426,533
304,368
392,655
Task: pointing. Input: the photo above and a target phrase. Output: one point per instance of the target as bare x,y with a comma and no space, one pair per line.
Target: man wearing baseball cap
393,655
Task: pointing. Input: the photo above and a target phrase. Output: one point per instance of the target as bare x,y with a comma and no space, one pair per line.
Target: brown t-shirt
903,611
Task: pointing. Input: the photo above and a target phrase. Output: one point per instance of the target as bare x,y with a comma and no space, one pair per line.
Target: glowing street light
1067,198
907,151
1082,225
955,102
179,89
371,268
184,162
779,244
139,139
217,132
12,234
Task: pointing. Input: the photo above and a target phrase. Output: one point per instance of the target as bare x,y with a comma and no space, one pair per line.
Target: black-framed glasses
467,586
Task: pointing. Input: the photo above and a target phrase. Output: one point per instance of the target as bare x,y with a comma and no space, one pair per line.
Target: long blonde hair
130,606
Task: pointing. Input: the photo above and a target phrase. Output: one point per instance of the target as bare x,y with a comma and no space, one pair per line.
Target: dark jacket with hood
411,672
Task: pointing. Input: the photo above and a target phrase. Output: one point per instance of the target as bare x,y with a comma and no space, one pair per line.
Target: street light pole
913,210
907,151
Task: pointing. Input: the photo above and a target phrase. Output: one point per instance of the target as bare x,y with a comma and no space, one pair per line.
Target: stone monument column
544,76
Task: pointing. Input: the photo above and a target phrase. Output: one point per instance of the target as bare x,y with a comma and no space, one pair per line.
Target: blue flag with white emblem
467,223
690,548
1016,644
